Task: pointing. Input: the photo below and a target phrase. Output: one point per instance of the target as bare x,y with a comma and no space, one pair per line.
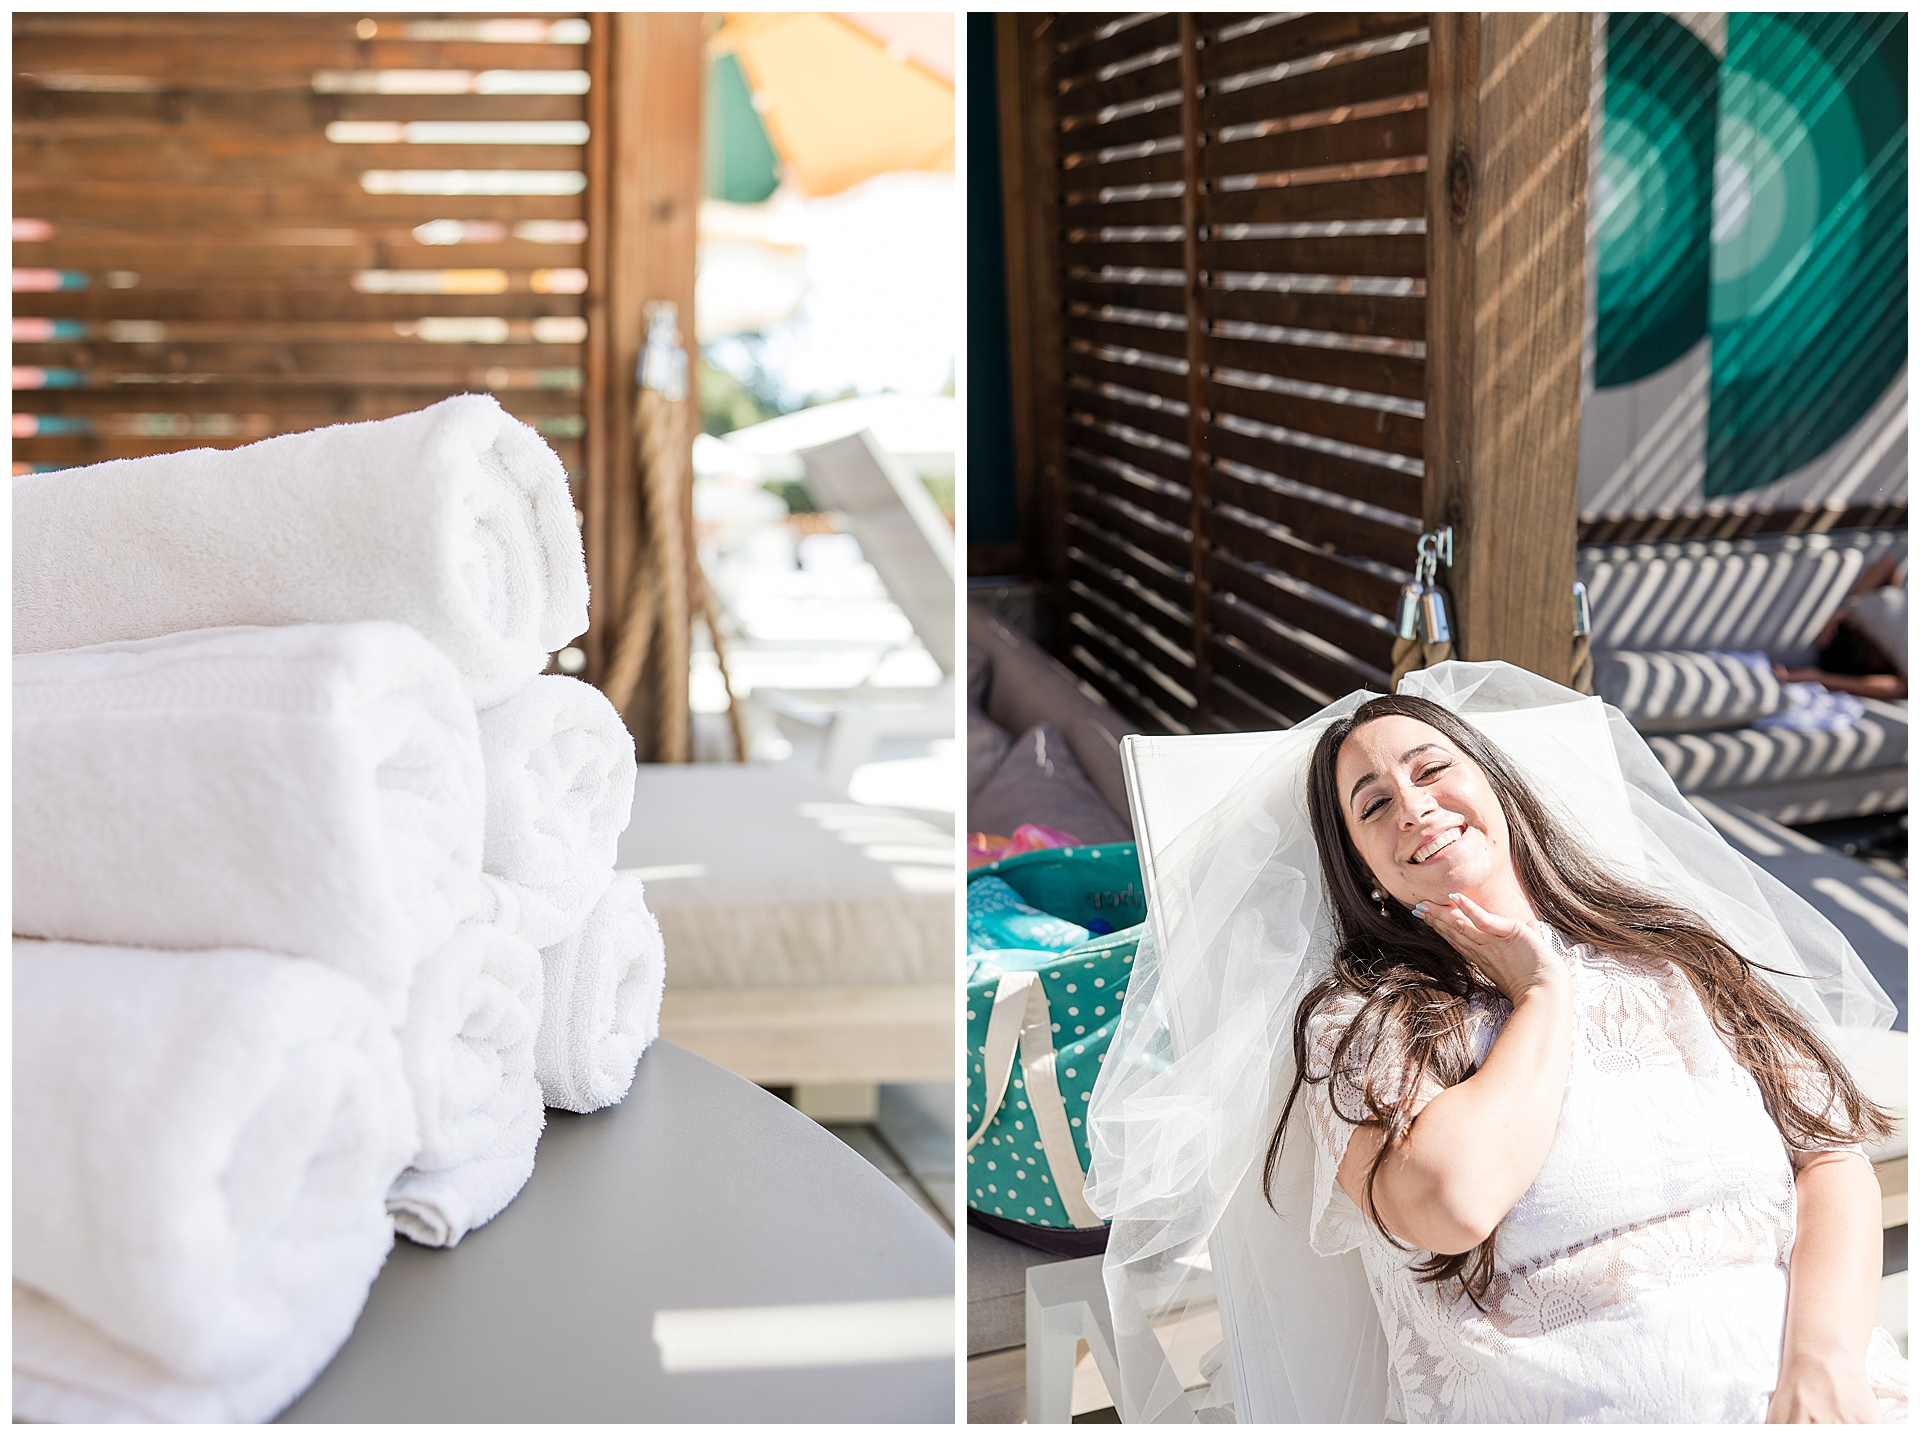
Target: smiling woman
1546,1094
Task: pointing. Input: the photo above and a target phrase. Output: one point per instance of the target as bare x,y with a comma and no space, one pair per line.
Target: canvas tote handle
1022,1019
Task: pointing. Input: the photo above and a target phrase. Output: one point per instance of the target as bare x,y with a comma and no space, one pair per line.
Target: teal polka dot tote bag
1038,1028
1096,886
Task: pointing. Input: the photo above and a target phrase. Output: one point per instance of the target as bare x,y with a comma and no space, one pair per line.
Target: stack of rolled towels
315,909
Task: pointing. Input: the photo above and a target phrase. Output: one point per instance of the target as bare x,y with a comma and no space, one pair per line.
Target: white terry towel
456,520
468,1047
202,1147
603,990
315,790
560,774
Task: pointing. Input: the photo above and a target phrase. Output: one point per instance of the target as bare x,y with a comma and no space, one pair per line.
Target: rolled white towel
456,520
202,1147
468,1047
602,1008
437,1208
560,774
315,790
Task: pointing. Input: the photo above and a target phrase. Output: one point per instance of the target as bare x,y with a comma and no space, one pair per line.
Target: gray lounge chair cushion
1682,692
1745,757
768,877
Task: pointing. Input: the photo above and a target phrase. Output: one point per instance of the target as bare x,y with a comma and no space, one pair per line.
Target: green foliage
727,403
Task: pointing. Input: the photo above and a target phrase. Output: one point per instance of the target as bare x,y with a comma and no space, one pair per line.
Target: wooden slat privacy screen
238,225
1238,274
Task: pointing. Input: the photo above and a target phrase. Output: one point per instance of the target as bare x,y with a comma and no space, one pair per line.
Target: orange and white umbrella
845,97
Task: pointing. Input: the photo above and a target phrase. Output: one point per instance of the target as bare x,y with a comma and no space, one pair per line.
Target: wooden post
645,148
1506,240
1030,184
602,611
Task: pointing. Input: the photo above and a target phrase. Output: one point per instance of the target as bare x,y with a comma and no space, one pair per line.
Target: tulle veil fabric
1209,1287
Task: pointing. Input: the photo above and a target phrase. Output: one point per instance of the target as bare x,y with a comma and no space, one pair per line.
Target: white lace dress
1643,1275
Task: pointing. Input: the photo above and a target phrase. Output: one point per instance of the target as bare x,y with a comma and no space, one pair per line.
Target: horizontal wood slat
1089,97
288,304
60,199
320,261
1169,422
1239,665
1138,620
1167,696
1315,523
1166,298
1170,384
1369,315
1348,423
268,63
1396,196
1133,524
1390,374
1377,137
1118,334
1266,639
1350,478
1085,60
1234,532
1294,40
1084,450
141,115
227,394
302,159
67,451
1368,643
1144,600
1373,77
1113,551
1095,133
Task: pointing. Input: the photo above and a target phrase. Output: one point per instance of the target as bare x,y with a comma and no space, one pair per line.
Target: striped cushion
1680,692
1744,757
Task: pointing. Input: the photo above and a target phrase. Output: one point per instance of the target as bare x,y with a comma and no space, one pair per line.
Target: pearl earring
1382,901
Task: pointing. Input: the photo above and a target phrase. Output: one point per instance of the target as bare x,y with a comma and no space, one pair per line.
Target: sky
884,303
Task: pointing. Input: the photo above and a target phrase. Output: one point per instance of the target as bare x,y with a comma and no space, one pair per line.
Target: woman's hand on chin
1828,1387
1514,955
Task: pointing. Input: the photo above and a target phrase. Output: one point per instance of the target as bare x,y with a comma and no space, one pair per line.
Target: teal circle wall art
1653,197
1808,296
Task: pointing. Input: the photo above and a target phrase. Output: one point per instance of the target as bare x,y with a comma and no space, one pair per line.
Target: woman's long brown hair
1415,987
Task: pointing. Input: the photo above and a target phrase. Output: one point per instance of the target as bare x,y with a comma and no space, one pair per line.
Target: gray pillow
1040,781
979,678
987,744
1881,614
1684,692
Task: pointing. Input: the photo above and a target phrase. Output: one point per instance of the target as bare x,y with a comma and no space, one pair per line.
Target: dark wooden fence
227,225
1239,272
1225,284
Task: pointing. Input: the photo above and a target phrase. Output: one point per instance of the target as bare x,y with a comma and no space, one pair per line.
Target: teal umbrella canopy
741,166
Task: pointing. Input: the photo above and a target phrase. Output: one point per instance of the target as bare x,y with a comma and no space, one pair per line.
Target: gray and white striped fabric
1681,692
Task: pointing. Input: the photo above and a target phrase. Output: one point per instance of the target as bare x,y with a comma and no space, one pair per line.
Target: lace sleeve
1334,1104
1338,1225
